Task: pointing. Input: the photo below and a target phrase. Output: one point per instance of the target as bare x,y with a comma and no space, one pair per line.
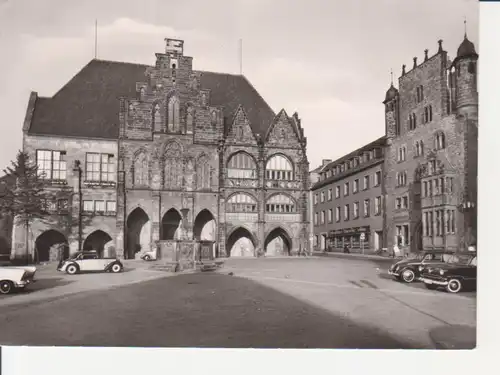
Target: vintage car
457,274
408,269
89,261
12,278
149,255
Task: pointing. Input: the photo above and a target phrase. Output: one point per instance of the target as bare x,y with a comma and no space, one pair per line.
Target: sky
328,60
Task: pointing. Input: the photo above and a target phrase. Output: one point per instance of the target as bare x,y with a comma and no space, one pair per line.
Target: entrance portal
51,245
169,224
240,243
138,233
96,241
278,243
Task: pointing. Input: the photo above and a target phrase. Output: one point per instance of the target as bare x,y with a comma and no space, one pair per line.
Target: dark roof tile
88,105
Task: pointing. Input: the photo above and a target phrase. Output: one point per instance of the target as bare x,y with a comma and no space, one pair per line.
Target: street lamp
466,207
77,169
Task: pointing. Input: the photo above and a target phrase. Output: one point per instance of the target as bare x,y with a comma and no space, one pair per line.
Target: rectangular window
346,189
315,218
99,206
356,210
366,182
322,196
438,223
378,178
99,168
404,202
337,191
403,235
330,194
346,212
355,186
110,206
398,203
337,214
330,215
88,206
378,205
51,164
367,207
322,217
315,198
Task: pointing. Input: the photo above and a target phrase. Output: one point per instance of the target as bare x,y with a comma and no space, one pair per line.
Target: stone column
121,232
155,222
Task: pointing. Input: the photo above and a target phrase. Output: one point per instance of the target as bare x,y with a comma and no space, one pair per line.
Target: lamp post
78,170
466,207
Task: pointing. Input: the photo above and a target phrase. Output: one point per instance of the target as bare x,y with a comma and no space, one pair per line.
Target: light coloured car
12,278
89,261
149,255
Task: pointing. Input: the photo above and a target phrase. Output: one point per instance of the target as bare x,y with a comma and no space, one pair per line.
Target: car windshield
416,256
459,259
75,255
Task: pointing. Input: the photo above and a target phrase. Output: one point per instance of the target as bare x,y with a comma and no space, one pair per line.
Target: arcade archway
204,226
51,245
138,232
278,242
169,224
240,243
96,241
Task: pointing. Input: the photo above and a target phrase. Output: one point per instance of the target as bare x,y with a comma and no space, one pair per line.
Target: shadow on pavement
192,310
39,285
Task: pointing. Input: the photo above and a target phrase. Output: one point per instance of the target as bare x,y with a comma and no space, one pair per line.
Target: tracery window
173,167
241,165
280,203
278,167
241,202
203,173
439,141
141,170
173,115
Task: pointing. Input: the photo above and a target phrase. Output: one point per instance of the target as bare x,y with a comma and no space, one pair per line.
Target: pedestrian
346,249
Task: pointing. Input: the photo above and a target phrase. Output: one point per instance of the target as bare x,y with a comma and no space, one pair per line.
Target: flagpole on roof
241,56
95,41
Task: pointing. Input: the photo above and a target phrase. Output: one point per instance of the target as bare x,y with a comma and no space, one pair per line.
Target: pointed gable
283,132
240,131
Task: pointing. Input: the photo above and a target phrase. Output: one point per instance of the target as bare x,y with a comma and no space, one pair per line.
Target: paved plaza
317,302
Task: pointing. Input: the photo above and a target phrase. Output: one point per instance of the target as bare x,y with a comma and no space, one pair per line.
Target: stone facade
431,159
348,201
194,156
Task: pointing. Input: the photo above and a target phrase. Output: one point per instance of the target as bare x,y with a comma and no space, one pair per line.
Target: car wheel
454,286
6,287
115,268
71,269
408,276
147,257
431,286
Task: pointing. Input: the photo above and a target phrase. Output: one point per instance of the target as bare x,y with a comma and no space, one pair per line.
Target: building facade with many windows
139,154
347,200
431,158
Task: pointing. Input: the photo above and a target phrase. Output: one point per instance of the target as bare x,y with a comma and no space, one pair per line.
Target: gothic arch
170,222
173,165
48,242
205,226
138,234
140,168
97,241
203,172
274,237
172,146
279,167
230,156
244,166
235,237
281,202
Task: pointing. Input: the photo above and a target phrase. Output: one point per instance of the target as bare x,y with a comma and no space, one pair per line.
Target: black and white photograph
239,174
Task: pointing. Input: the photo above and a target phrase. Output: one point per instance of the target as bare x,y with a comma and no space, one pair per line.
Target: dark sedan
457,274
409,269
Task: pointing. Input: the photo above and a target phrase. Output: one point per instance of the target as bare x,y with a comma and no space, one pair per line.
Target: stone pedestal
177,255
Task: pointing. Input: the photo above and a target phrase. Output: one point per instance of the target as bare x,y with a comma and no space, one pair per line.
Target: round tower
465,65
391,118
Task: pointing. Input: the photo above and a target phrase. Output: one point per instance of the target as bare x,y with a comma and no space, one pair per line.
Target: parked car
149,255
12,278
89,261
457,274
408,269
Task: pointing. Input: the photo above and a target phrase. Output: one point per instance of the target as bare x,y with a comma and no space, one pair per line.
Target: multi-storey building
141,154
348,201
431,159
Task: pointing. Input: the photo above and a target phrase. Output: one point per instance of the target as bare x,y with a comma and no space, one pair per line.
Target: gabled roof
88,105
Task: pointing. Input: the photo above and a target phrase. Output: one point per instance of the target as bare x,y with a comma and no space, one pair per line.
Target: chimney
414,62
426,55
325,162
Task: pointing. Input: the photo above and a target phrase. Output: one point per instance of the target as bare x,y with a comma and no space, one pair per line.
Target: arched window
156,118
141,170
430,113
190,119
173,167
278,167
214,117
203,173
173,115
280,203
439,141
419,148
241,202
241,165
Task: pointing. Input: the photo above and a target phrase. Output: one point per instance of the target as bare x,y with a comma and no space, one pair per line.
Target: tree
26,201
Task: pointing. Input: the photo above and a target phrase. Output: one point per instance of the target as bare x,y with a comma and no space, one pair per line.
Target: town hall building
137,154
